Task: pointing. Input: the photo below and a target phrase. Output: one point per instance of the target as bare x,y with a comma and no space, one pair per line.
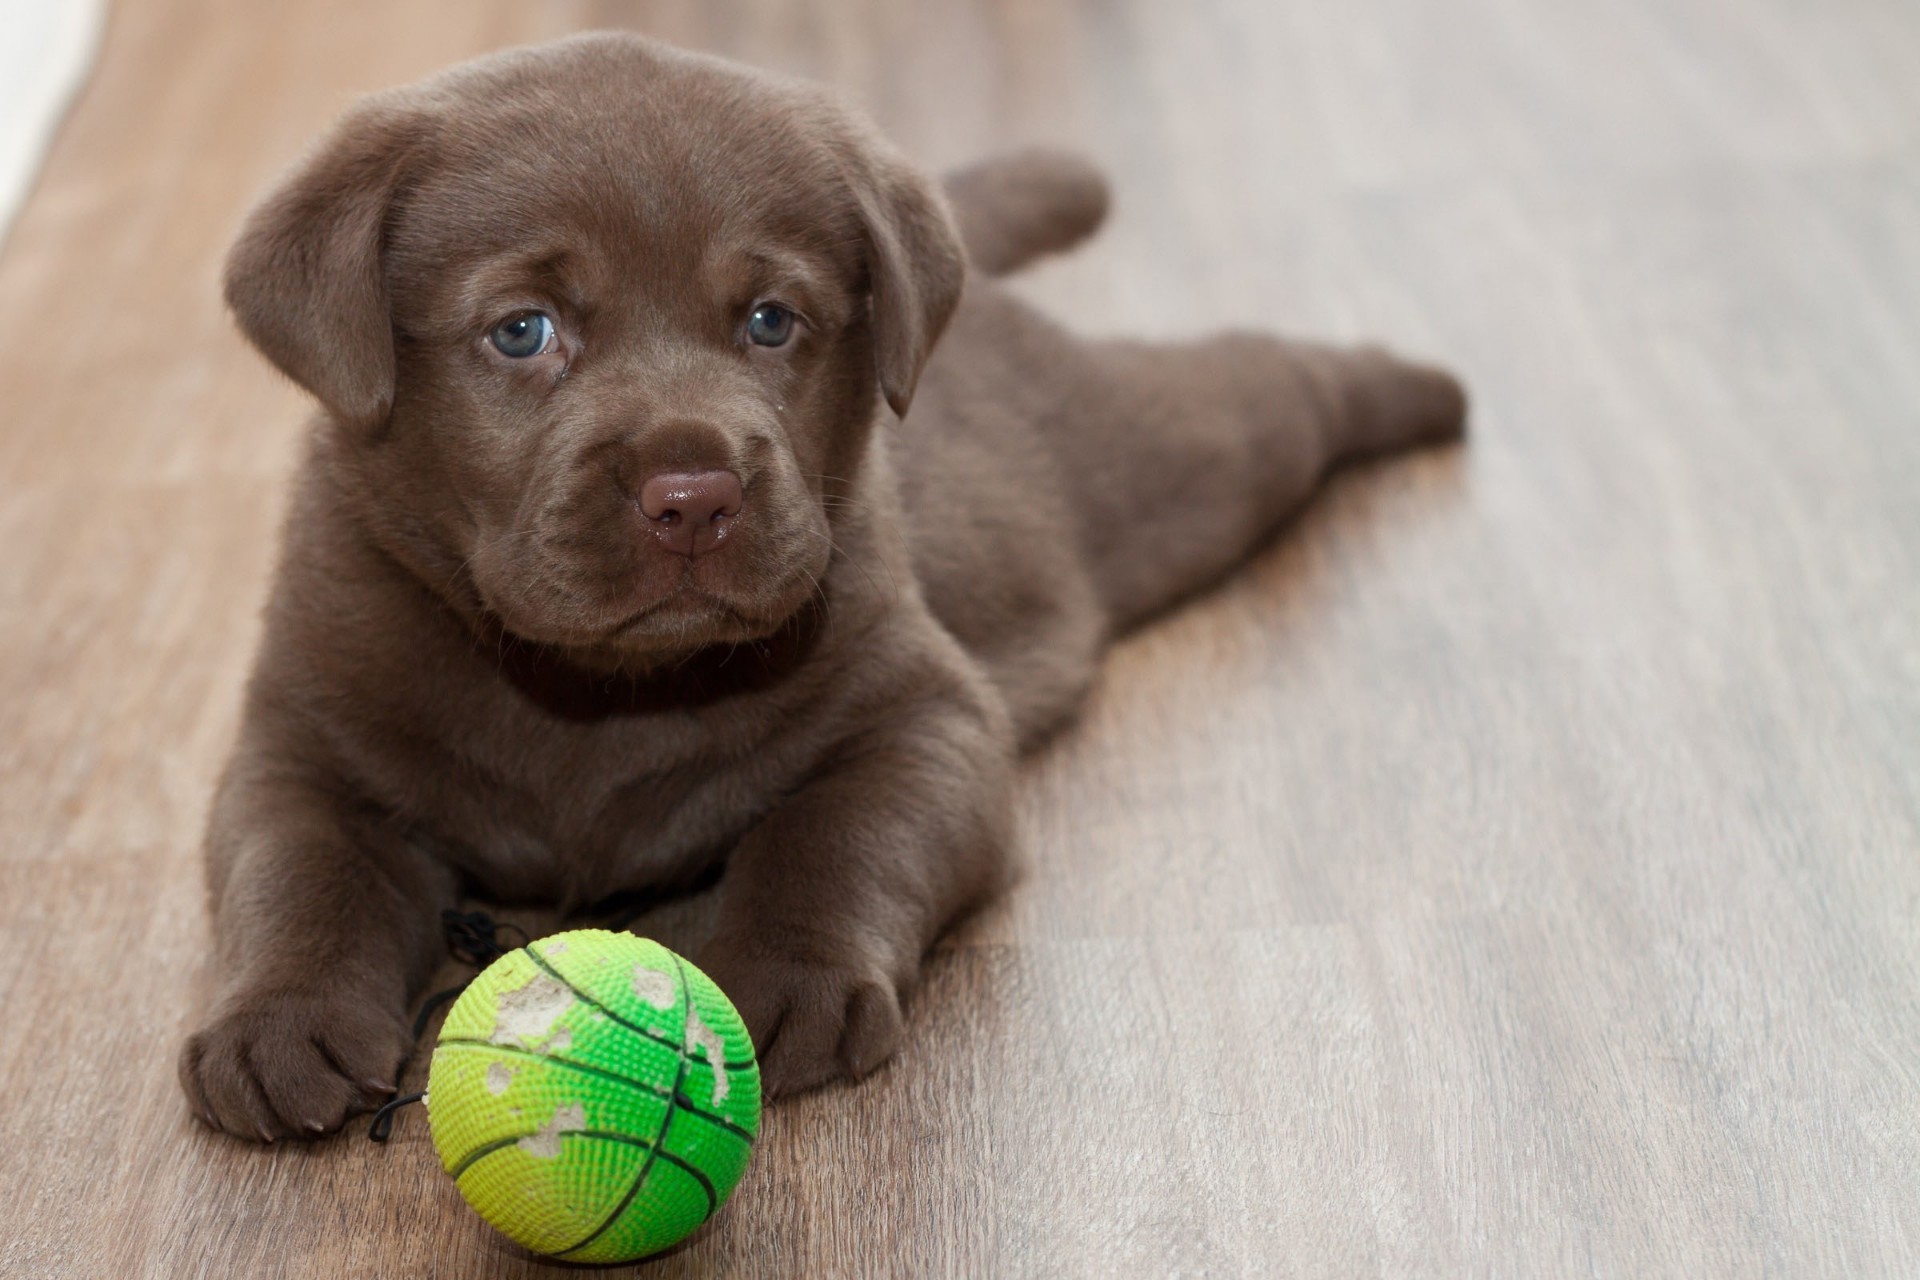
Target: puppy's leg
830,903
1187,456
326,921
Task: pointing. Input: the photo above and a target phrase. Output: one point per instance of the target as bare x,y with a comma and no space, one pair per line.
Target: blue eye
770,325
525,335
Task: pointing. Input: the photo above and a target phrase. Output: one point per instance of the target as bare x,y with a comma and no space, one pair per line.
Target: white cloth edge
50,48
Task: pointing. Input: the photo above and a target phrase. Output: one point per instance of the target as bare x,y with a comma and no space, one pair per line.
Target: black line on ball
634,1027
686,994
559,1061
713,1197
482,1151
685,1102
659,1140
604,1135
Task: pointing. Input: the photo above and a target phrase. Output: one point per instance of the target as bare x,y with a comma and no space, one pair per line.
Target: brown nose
691,511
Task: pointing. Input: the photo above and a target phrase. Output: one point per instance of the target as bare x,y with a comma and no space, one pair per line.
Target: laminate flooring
1513,872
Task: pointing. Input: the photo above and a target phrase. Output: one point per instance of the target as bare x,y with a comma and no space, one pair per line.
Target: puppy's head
599,328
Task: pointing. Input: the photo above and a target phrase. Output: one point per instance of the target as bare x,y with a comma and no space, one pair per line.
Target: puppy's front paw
812,1021
291,1064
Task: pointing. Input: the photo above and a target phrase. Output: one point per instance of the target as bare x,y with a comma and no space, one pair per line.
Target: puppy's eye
523,336
770,325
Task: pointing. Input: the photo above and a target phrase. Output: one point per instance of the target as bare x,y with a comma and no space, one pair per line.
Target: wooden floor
1515,872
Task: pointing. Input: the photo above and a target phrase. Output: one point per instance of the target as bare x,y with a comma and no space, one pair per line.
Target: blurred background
1515,871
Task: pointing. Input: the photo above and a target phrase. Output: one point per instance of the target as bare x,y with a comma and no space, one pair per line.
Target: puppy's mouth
686,617
686,602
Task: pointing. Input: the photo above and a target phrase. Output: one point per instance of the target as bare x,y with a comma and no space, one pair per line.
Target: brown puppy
602,569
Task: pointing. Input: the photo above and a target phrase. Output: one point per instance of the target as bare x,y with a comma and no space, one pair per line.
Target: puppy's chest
568,812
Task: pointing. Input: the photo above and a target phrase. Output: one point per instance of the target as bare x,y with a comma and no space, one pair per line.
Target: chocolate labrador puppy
604,567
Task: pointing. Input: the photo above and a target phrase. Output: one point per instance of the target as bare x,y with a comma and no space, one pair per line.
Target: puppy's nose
690,510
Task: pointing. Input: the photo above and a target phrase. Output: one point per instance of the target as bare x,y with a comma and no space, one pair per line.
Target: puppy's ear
305,279
915,266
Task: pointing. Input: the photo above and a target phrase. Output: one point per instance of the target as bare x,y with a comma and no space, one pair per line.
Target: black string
432,1005
473,937
382,1127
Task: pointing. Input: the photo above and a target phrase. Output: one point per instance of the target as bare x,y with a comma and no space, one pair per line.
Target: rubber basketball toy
594,1096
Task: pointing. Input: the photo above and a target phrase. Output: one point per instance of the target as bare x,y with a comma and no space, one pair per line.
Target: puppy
603,567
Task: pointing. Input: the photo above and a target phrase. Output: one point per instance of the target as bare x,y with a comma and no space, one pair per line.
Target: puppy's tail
1225,438
1017,207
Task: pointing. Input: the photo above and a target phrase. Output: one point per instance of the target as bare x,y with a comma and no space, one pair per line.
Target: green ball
594,1096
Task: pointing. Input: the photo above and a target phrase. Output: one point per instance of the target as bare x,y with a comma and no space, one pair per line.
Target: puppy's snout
691,511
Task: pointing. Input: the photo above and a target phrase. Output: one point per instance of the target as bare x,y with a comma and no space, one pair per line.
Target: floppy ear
915,267
305,279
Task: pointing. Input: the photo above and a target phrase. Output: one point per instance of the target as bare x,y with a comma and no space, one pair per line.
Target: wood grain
1512,873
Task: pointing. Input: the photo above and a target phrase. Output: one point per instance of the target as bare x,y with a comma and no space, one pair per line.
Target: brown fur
480,673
